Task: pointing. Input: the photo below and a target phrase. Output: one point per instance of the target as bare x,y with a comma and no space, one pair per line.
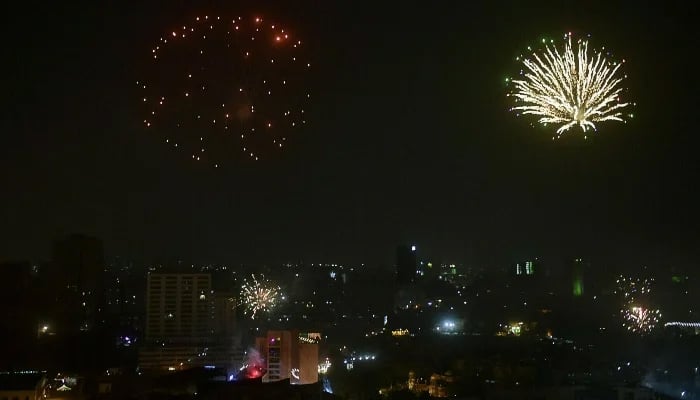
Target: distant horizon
388,263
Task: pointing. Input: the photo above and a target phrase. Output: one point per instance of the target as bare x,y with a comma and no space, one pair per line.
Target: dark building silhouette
125,286
405,264
20,309
22,386
77,282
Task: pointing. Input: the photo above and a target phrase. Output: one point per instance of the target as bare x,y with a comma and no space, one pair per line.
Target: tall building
406,264
179,308
21,313
577,277
125,295
290,355
188,324
224,320
77,282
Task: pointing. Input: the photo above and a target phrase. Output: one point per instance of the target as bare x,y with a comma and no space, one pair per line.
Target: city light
400,332
695,325
450,327
324,366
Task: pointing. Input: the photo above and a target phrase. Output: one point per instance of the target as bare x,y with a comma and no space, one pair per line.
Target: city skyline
409,141
350,200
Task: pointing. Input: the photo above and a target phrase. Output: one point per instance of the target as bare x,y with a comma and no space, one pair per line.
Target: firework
225,88
259,295
569,87
633,292
253,368
639,319
630,289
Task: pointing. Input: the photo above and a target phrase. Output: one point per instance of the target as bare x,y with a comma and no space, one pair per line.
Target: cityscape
536,328
221,200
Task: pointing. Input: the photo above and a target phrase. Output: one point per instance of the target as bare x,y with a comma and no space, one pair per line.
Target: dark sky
408,140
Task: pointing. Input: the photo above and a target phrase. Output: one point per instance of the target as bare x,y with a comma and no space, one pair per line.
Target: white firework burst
259,295
640,320
569,87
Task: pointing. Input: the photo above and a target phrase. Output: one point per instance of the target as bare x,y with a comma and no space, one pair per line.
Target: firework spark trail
640,320
634,292
569,88
632,288
221,88
259,295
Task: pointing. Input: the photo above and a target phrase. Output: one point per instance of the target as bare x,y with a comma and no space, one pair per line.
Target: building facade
406,264
289,355
188,324
179,308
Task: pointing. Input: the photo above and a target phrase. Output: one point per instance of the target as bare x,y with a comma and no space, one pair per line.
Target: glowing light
640,320
259,295
515,329
569,87
324,366
695,325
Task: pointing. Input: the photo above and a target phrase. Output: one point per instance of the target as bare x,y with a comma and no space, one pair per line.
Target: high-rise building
125,296
21,311
290,355
188,324
224,321
77,282
179,308
406,264
577,277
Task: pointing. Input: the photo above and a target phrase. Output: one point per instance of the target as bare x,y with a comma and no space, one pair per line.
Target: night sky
408,140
